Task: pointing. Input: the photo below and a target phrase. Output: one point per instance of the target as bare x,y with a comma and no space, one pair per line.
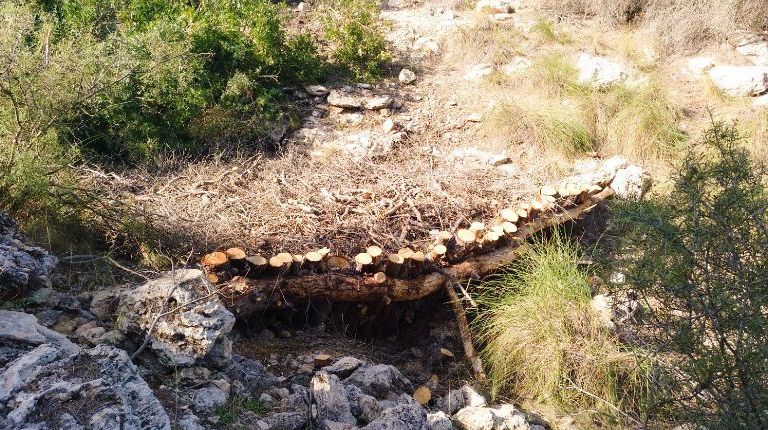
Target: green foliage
699,256
544,342
356,37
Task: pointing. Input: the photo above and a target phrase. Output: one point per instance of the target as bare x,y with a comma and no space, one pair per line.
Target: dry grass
486,41
544,342
682,26
295,202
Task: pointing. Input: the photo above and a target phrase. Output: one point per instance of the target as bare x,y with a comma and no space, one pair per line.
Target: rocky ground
80,362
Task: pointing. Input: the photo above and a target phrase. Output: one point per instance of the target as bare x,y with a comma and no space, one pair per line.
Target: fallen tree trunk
243,295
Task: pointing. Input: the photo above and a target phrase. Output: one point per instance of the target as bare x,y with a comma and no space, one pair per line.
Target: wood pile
250,283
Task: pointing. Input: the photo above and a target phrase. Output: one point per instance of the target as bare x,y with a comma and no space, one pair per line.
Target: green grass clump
545,28
555,128
229,413
544,342
640,122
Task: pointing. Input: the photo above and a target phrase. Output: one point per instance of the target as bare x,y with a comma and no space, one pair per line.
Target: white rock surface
478,71
344,100
631,183
406,76
755,49
187,336
602,305
600,71
316,90
517,65
331,399
740,81
22,266
466,396
504,417
438,421
760,101
378,380
378,102
210,397
699,65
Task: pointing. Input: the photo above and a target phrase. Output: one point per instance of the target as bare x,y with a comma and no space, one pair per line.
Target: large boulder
466,396
22,267
58,385
195,331
504,417
740,81
409,416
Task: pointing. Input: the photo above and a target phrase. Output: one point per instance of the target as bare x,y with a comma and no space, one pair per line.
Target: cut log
379,277
235,254
509,215
256,265
243,296
313,261
437,253
280,264
394,264
376,254
418,260
215,259
363,262
548,190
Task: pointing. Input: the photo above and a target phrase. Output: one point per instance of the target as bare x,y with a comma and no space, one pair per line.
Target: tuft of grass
545,28
555,128
640,121
544,342
487,41
229,412
555,75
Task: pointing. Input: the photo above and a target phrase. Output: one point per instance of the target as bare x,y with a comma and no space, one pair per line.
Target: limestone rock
517,65
316,90
208,398
20,333
251,373
364,407
286,421
22,266
378,380
331,399
466,396
104,302
344,366
379,102
631,183
406,76
438,421
504,417
760,101
184,337
402,416
740,81
699,65
344,101
755,49
478,71
602,305
100,383
600,71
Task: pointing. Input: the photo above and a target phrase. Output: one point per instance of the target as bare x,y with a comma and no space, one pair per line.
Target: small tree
699,259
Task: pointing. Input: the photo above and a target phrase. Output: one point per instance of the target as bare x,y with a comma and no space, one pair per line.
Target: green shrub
699,258
544,342
356,37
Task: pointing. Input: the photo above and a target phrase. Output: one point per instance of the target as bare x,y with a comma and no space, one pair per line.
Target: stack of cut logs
448,248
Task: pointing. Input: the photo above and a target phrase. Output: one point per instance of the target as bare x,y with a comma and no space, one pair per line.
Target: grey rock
344,366
331,399
104,302
48,317
403,416
463,397
439,421
55,299
406,76
90,332
209,397
20,333
190,421
316,90
184,337
754,48
345,101
364,407
631,183
504,417
251,373
22,266
378,380
42,387
376,103
286,421
333,425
